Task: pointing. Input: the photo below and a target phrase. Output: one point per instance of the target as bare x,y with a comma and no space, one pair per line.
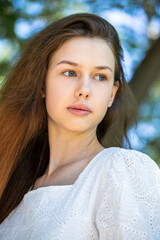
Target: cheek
56,97
102,102
51,97
103,97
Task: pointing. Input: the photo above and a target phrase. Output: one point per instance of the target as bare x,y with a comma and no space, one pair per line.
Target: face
81,71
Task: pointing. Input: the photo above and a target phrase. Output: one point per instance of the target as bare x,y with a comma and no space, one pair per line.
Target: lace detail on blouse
116,197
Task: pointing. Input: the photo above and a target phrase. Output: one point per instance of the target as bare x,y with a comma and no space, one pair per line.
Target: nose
83,90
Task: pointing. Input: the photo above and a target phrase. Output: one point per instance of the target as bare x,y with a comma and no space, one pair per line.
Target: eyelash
105,78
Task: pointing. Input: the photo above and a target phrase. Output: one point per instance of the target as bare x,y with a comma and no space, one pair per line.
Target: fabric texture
116,197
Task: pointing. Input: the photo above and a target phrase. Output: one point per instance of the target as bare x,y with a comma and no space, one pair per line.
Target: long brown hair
24,147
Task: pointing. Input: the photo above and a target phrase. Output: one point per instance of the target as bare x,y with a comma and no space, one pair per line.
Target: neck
68,147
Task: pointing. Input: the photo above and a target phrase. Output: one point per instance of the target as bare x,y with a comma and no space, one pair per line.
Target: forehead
86,51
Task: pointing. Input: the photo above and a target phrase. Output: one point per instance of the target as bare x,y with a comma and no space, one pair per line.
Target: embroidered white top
116,196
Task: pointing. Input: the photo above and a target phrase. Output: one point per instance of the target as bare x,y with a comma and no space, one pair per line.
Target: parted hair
24,147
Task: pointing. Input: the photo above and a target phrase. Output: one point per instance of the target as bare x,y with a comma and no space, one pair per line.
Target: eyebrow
75,64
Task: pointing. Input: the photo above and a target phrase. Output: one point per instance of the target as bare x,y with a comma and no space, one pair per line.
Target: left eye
69,73
101,77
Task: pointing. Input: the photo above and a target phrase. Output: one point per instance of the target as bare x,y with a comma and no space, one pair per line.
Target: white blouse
116,196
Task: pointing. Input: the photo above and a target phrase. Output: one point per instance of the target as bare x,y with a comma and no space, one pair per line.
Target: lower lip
78,112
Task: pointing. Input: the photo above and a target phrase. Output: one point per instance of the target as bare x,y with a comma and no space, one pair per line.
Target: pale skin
73,77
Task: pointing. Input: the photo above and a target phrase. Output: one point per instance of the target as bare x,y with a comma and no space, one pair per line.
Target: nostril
84,94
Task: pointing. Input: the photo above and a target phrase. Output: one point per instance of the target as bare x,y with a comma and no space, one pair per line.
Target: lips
82,107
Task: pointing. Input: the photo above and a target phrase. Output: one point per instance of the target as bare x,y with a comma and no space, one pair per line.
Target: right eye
69,73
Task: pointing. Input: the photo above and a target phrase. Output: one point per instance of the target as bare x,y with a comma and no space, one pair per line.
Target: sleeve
130,206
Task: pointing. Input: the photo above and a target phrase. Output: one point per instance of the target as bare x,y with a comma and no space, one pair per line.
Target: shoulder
130,164
130,194
131,158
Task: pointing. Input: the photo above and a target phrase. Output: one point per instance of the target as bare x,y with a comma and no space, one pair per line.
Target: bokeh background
138,26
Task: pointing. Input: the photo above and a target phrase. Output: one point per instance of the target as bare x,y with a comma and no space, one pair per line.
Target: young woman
58,181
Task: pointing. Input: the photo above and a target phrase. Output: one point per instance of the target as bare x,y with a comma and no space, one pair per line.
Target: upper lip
80,107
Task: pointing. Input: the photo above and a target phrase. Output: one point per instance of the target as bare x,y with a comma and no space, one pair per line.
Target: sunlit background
138,26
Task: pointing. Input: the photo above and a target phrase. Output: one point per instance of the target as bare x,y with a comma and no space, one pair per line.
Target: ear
43,93
114,90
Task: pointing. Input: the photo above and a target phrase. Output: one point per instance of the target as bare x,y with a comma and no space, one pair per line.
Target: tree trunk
146,73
